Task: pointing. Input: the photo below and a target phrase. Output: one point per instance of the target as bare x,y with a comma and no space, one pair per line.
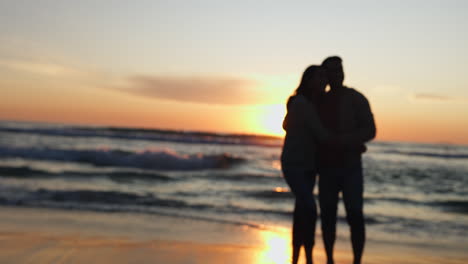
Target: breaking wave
147,159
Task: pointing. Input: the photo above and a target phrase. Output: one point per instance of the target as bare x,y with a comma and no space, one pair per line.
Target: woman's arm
311,119
285,122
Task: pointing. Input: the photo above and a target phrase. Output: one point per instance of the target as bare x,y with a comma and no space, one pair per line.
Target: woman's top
303,133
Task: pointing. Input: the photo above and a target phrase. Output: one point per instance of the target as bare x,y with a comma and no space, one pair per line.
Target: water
413,192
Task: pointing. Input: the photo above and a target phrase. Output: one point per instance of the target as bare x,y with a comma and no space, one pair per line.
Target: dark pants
302,182
349,181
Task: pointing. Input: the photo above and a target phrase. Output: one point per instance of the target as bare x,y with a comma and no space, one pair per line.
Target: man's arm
365,119
366,129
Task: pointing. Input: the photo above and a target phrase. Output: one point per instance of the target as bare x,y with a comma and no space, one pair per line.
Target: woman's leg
301,185
311,219
305,212
303,231
297,238
297,230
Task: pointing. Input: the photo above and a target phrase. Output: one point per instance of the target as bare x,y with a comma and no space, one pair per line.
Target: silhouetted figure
303,131
347,112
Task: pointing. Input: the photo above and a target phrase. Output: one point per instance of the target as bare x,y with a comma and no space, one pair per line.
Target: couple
325,135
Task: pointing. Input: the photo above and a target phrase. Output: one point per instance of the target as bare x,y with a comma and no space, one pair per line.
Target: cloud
213,90
42,68
198,89
435,97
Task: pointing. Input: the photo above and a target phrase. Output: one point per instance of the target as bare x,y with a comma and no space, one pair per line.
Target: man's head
334,70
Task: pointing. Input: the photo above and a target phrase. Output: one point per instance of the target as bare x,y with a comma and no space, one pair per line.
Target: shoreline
60,236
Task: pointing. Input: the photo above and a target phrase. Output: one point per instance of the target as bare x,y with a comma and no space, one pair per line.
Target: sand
29,235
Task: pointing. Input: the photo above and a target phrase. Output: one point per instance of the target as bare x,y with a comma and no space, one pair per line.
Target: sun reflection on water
281,189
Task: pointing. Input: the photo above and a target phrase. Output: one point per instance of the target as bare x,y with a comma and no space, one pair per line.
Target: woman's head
313,82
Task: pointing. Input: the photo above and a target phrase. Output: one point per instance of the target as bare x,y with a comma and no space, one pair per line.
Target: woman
303,132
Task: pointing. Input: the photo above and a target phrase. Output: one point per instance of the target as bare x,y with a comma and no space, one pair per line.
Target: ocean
414,193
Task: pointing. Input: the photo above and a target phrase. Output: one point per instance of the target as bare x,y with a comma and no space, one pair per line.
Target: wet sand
56,236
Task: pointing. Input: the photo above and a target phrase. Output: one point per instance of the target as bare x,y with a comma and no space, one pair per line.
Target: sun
268,119
272,120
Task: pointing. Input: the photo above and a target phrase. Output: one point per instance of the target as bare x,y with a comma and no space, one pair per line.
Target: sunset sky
229,66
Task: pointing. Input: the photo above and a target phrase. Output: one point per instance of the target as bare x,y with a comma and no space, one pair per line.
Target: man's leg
353,187
328,197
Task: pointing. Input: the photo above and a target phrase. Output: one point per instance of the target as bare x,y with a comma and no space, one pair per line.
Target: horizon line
204,132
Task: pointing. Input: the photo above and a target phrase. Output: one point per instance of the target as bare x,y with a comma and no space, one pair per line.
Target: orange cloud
204,90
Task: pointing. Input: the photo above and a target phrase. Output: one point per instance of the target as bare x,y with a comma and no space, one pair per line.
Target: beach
204,131
84,194
29,235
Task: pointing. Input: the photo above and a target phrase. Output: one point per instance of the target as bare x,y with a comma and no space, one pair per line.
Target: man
347,113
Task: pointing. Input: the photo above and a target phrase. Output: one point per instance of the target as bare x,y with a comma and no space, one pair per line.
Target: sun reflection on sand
276,248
